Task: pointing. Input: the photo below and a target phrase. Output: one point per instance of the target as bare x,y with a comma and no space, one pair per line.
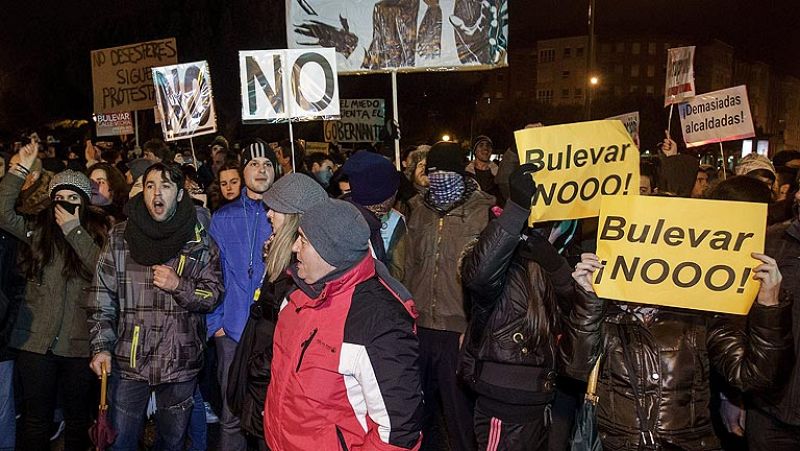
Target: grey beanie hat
294,193
338,232
73,181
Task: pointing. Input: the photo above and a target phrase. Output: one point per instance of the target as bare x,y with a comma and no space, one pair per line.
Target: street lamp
446,137
594,81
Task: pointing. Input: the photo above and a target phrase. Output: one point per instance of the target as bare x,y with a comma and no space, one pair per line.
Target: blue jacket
240,229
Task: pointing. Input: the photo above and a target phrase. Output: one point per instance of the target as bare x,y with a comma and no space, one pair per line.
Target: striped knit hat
258,149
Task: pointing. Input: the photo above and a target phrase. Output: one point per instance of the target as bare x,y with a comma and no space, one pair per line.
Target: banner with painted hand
114,124
717,116
631,123
680,75
278,85
362,120
121,76
577,165
677,252
404,35
185,100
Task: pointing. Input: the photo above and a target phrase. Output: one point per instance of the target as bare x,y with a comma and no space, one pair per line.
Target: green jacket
54,316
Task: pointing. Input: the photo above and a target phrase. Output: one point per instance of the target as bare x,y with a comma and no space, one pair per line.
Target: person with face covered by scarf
61,246
443,221
374,182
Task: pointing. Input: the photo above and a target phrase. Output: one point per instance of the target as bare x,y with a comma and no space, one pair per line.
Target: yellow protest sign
577,164
675,252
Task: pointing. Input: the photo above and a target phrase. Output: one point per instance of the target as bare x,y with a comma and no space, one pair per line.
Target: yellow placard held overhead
577,164
676,252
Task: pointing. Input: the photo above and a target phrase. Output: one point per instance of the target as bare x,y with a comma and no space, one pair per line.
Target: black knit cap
258,149
446,156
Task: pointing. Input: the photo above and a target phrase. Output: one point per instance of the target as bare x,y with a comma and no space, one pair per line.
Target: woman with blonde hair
249,376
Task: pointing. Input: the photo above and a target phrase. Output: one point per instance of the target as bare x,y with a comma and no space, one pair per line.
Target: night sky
45,72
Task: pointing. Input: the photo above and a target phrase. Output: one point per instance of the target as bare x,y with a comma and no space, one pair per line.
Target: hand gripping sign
185,100
676,252
577,164
283,85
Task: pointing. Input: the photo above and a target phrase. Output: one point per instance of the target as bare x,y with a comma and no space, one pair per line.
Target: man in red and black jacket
344,370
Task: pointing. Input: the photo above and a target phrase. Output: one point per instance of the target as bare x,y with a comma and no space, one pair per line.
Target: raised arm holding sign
578,164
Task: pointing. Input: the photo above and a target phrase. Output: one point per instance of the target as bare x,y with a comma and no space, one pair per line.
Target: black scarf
154,243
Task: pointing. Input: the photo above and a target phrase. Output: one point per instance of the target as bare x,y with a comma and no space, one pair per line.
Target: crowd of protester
330,301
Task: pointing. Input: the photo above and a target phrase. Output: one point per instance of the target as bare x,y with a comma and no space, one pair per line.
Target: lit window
634,70
651,48
636,48
651,70
650,89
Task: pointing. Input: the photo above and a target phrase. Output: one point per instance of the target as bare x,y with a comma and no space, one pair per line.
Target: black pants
496,434
765,433
42,377
438,359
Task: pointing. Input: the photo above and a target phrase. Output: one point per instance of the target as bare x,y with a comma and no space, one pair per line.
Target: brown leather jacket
436,240
671,357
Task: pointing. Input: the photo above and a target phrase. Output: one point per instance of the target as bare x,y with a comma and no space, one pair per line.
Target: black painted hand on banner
522,186
326,35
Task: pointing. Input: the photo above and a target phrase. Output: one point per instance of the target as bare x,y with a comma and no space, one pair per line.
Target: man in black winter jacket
773,422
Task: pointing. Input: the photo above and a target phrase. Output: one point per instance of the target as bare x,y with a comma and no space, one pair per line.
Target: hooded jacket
344,369
54,314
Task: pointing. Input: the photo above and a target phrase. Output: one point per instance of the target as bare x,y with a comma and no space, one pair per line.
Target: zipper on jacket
134,346
436,266
54,343
304,346
341,439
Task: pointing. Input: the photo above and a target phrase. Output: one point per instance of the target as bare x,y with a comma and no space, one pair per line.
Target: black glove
522,186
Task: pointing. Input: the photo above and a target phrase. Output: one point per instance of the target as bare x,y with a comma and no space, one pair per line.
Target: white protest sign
114,124
631,123
362,120
185,100
374,35
680,75
278,85
716,117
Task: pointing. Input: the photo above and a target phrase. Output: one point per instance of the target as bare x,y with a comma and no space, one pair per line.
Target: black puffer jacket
671,357
505,358
249,374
